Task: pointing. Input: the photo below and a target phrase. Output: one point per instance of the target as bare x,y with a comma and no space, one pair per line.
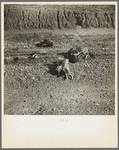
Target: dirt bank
58,16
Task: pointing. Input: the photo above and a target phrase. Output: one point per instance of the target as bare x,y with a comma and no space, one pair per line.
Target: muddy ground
32,88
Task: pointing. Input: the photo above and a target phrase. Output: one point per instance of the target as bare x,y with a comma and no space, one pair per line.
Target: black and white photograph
59,59
59,74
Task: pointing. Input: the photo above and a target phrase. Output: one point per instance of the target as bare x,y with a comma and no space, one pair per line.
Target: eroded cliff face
58,16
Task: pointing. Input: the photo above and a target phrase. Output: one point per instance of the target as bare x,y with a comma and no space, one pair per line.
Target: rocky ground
32,88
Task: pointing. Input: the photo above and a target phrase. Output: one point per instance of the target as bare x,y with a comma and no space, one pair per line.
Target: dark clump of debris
33,56
16,59
73,54
45,43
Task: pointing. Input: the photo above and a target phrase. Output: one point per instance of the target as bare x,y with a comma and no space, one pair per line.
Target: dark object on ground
45,43
33,56
92,55
5,61
73,54
52,69
16,58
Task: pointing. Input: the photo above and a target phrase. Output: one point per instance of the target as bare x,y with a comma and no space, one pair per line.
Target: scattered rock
51,96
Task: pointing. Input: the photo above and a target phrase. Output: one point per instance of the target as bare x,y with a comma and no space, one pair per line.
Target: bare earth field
32,88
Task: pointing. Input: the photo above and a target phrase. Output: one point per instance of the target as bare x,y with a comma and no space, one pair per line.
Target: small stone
51,96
